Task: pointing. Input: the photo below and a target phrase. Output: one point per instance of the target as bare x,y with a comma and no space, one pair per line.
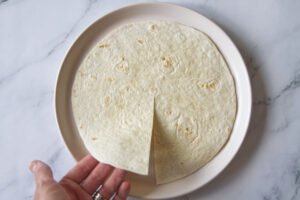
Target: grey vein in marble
292,85
51,51
3,1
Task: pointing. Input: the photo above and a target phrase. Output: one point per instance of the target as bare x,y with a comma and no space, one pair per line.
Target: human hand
80,182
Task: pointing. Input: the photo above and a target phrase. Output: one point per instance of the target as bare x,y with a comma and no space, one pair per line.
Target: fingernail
33,165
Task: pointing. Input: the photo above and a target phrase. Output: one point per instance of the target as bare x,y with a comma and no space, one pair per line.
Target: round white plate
144,186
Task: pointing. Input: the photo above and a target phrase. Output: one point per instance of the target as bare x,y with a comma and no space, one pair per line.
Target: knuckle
95,177
83,168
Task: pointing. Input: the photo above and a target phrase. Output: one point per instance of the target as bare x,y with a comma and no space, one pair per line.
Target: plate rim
131,6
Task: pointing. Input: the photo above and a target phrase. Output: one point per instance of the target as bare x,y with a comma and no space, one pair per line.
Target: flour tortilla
155,77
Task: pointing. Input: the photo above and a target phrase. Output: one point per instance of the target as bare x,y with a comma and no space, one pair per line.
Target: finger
96,177
123,191
82,169
42,173
112,183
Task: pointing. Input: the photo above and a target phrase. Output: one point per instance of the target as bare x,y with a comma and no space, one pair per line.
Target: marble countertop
34,36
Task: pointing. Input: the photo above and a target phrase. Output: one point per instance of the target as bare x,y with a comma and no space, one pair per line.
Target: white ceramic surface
35,36
144,187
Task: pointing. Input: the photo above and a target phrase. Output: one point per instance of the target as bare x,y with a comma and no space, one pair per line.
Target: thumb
42,173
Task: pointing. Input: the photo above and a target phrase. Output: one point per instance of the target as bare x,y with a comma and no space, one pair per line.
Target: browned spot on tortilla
103,45
167,61
153,27
209,85
107,100
109,79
